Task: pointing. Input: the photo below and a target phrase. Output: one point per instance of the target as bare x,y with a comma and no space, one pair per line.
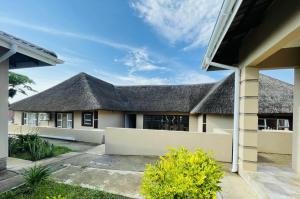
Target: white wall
193,123
3,112
279,142
156,142
84,135
110,119
18,117
214,122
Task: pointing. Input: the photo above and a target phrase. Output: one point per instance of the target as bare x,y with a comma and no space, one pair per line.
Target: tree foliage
19,83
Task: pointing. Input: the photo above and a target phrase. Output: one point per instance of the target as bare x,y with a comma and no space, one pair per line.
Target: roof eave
30,52
225,18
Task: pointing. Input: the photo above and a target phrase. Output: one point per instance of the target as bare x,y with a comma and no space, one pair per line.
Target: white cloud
188,21
140,60
55,31
193,77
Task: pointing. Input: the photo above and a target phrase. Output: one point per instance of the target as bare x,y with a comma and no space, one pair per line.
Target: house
17,53
85,102
250,36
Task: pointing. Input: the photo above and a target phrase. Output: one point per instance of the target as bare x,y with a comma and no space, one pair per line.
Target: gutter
225,18
8,54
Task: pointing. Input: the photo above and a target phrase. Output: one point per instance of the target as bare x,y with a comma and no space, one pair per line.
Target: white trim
227,14
30,51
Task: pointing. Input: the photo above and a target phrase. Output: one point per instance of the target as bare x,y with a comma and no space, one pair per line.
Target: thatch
81,92
173,98
275,96
84,92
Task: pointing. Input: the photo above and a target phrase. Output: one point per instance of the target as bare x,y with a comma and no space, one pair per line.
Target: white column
296,123
3,113
139,121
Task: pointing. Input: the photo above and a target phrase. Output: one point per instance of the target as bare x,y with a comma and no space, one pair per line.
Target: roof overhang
27,54
237,18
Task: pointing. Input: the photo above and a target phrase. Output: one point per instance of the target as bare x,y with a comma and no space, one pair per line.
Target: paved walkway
274,178
122,175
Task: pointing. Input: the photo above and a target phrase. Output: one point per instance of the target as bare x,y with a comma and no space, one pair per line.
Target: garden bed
51,189
32,147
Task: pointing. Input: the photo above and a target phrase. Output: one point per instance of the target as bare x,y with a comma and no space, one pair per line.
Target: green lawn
51,189
58,150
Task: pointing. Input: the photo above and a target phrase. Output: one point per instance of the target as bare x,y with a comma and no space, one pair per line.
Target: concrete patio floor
274,178
122,175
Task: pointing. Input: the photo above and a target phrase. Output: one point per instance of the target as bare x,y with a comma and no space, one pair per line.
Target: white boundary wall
279,142
124,141
83,135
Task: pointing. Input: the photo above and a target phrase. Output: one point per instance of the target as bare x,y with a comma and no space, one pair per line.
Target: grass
58,150
50,188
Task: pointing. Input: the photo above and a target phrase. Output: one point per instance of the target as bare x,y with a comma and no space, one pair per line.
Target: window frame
83,118
27,116
204,123
69,118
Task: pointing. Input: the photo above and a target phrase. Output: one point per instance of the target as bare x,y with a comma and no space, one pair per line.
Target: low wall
124,141
83,135
275,142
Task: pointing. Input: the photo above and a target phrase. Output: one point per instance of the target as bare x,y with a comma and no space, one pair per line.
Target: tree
19,83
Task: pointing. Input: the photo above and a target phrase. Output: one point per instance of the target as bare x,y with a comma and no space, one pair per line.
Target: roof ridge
200,104
85,78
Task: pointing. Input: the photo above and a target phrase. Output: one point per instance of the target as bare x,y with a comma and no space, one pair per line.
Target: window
283,124
64,120
204,124
262,124
30,118
44,116
167,122
87,119
274,124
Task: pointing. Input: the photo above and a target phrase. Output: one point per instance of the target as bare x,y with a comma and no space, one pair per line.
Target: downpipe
235,136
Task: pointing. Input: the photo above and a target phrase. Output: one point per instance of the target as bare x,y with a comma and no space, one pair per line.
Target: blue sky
122,42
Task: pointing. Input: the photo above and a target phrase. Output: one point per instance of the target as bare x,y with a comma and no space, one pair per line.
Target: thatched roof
85,92
275,96
81,92
173,98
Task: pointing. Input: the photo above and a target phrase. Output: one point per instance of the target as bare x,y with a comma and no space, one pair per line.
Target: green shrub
30,146
182,174
55,197
36,175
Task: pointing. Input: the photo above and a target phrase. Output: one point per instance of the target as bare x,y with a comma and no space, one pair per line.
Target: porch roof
27,54
229,33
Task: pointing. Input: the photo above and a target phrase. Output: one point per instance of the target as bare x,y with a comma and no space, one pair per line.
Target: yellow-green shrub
182,174
55,197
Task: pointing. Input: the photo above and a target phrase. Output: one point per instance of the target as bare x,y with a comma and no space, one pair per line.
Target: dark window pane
167,122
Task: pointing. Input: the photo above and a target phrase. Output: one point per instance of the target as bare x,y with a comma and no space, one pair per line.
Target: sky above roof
122,42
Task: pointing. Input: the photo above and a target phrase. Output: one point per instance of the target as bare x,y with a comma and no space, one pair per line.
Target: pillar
3,114
248,119
296,122
139,121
